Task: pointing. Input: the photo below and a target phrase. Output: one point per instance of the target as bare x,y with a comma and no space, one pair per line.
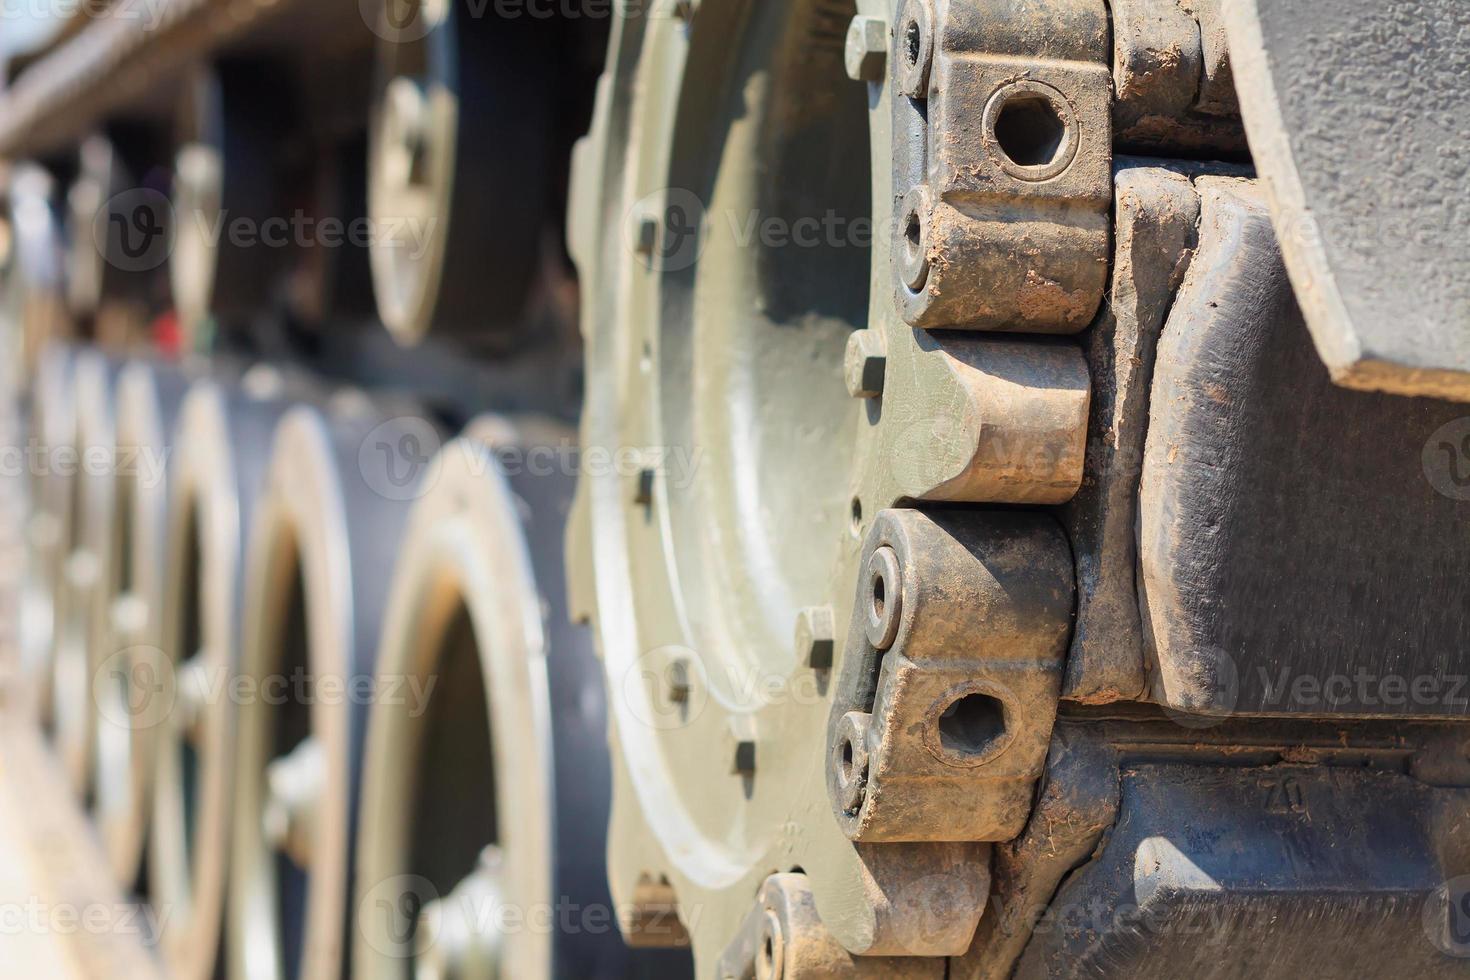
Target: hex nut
867,49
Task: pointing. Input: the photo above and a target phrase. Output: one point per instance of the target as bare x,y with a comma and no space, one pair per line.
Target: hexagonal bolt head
864,364
643,492
406,123
293,793
816,637
744,762
192,685
646,236
449,940
850,760
867,49
678,678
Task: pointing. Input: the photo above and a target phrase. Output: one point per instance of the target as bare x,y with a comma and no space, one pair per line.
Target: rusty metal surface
949,682
1002,164
1074,809
1338,591
1156,211
1172,84
783,939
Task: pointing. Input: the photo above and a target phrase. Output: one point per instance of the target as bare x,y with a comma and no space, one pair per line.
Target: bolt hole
880,597
857,515
847,760
1029,131
972,725
913,232
913,42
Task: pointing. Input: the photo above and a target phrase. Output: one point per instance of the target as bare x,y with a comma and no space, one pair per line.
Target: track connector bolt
882,597
850,760
912,247
816,637
915,45
867,49
864,364
770,961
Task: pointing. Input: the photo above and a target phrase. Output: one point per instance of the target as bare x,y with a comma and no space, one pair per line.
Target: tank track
1013,529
